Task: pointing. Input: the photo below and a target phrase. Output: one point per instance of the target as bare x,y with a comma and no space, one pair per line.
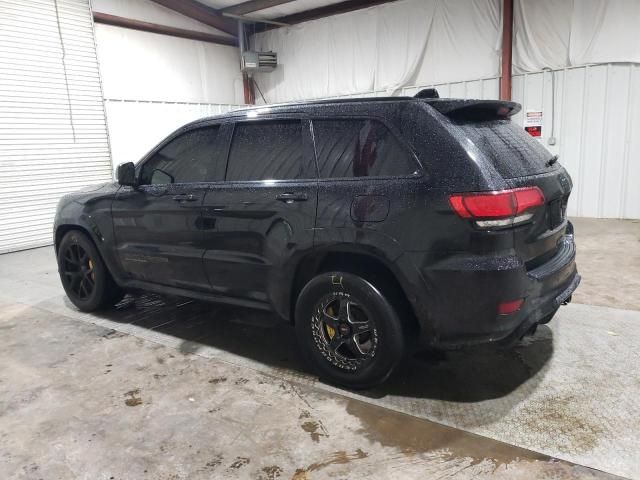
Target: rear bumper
545,305
464,294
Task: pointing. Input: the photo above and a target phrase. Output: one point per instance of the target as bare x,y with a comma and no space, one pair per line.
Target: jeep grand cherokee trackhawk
370,224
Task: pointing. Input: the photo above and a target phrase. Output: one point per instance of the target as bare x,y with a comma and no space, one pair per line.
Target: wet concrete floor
168,388
82,401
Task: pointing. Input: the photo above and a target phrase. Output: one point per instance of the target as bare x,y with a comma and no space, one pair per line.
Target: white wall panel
136,127
53,135
596,119
630,192
139,65
385,47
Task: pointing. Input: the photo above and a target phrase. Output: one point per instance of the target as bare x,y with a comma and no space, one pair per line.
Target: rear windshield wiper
552,160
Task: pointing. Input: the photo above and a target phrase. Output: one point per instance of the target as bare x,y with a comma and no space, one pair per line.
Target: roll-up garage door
53,134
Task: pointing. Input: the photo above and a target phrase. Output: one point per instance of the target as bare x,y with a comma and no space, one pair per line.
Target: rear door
364,192
264,212
157,225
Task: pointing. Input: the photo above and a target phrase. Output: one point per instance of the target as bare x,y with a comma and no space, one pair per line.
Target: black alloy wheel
348,330
84,276
343,331
78,271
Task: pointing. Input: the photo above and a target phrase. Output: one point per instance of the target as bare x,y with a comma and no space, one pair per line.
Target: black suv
372,224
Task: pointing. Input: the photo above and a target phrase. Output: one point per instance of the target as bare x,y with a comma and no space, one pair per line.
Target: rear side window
269,150
187,158
359,148
512,151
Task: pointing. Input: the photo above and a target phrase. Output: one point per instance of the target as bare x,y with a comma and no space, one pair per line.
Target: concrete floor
158,389
609,262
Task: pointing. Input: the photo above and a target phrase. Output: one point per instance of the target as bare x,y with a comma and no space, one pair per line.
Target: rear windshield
512,151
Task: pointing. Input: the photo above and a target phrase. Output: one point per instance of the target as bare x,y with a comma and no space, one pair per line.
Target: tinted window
359,148
512,151
266,151
188,158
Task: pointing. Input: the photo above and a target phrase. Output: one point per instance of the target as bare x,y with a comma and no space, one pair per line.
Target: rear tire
85,278
348,331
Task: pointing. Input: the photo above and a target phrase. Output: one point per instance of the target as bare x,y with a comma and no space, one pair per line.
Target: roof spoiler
427,93
475,109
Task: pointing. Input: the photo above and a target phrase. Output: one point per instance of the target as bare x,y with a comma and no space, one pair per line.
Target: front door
264,212
157,226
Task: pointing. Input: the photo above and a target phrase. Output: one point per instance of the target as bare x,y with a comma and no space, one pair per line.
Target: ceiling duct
251,61
259,61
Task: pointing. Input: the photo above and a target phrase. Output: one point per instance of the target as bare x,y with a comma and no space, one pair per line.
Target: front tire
84,276
348,331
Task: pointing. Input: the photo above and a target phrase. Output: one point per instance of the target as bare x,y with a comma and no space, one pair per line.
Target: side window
266,150
359,148
188,158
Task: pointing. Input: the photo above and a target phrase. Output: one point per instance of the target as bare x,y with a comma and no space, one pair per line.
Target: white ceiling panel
290,8
219,4
295,6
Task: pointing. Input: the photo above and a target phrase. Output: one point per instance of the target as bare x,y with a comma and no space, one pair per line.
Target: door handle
290,197
185,197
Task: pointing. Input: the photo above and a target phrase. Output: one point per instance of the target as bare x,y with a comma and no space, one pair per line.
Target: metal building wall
596,120
53,134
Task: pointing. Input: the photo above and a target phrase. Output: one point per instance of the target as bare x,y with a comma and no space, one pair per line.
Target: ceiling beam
329,10
253,6
201,13
123,22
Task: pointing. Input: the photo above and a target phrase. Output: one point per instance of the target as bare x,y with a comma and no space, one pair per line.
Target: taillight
501,208
507,308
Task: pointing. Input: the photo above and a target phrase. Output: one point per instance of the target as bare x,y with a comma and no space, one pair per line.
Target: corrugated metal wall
53,135
159,120
594,116
596,120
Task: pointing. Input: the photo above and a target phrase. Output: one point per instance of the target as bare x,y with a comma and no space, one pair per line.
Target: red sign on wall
533,123
534,131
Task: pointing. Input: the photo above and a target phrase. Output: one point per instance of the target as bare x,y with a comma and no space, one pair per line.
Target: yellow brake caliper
330,331
93,274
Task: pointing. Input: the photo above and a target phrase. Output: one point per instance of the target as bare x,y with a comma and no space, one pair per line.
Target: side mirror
126,174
